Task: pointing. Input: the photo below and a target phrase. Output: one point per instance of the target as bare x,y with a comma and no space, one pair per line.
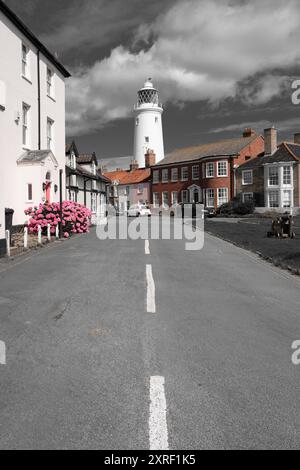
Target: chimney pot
270,136
297,138
134,165
248,132
150,158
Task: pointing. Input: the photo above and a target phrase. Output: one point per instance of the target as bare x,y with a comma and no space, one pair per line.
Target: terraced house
32,119
272,180
84,182
205,173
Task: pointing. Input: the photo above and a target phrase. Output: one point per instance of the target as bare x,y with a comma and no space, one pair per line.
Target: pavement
89,367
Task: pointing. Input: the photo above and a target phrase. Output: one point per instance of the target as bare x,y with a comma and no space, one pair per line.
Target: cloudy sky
220,65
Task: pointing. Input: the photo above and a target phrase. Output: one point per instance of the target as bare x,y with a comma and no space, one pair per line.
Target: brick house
272,180
129,187
205,173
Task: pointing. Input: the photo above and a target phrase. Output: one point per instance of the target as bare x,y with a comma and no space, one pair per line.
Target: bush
75,218
236,207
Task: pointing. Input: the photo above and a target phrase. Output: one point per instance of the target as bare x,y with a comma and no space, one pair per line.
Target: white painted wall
18,90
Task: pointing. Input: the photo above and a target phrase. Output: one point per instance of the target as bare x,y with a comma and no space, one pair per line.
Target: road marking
147,247
2,353
158,429
151,306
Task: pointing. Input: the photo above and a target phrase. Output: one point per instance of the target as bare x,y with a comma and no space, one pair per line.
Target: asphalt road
81,348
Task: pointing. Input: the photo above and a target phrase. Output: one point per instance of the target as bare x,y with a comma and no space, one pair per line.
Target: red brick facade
211,182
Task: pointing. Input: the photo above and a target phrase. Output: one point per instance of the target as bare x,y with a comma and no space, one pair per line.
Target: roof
286,152
29,35
71,146
36,156
83,172
85,159
229,147
140,175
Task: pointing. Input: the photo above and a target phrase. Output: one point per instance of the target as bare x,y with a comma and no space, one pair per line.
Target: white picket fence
25,242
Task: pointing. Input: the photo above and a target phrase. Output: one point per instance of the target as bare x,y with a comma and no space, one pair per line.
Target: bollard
7,237
57,232
40,235
26,238
49,232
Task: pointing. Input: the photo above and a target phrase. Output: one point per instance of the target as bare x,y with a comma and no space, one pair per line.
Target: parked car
138,210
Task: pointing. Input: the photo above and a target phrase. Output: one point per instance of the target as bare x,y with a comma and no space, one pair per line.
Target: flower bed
75,218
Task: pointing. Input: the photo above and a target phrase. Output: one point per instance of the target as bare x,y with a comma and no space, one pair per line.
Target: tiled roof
36,156
221,148
286,152
86,159
130,177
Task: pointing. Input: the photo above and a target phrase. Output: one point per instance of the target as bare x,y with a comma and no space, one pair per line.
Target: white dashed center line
2,353
147,247
158,429
151,306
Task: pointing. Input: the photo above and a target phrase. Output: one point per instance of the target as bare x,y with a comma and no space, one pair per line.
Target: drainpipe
39,99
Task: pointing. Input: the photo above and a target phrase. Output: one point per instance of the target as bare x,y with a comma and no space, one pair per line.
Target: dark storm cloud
218,64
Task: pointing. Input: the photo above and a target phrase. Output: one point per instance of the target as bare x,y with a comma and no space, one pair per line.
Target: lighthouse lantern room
148,124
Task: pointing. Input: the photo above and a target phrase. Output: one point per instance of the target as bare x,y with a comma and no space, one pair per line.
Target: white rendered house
32,119
148,132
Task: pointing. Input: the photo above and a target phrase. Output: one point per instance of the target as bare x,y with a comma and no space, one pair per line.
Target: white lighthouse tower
148,132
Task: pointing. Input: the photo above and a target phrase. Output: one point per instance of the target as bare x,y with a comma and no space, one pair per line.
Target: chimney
270,140
297,138
248,132
134,165
150,158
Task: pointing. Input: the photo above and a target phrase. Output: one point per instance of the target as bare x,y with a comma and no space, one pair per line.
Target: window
174,174
222,196
287,175
184,173
94,202
29,192
49,82
174,197
287,199
247,176
222,168
25,123
273,177
156,120
73,160
165,199
195,172
127,191
137,121
165,176
247,197
156,199
184,197
25,61
210,198
147,140
50,134
210,171
156,176
140,189
273,199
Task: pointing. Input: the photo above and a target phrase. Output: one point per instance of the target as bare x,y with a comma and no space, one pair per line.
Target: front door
48,192
196,196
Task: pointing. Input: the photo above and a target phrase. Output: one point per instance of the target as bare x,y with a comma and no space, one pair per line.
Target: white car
138,210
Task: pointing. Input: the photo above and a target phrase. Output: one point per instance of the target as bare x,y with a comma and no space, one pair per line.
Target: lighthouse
148,132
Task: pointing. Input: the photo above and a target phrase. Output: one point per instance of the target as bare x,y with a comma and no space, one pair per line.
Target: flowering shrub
75,218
